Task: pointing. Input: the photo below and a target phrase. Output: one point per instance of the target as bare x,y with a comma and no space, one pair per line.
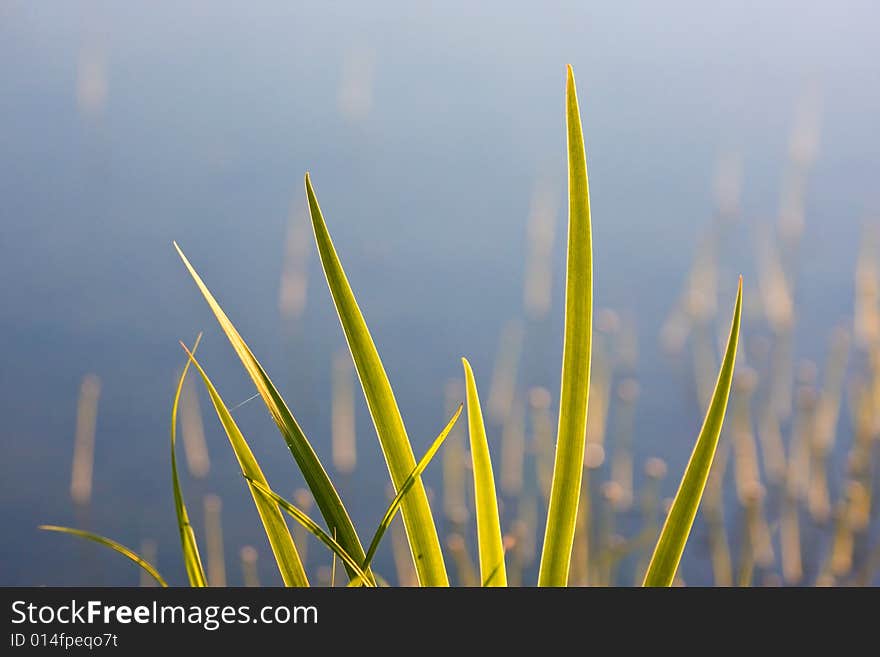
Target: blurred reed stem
342,424
249,571
216,566
84,440
303,499
542,437
502,387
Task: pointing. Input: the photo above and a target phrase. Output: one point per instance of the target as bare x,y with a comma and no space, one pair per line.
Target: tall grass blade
191,558
302,518
281,542
113,545
326,496
490,542
420,528
574,392
407,485
676,529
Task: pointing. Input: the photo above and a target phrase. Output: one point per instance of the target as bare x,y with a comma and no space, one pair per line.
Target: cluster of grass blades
340,536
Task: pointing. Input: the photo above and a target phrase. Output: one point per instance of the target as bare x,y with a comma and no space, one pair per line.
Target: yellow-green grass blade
488,581
490,542
191,558
286,555
577,341
326,496
407,484
333,571
302,518
113,545
357,582
420,529
677,528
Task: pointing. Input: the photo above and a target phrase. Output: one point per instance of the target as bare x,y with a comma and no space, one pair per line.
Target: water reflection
439,146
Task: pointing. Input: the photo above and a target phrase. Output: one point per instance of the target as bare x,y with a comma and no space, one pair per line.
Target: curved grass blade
113,545
191,558
325,494
677,527
407,484
286,556
490,542
302,518
576,349
420,528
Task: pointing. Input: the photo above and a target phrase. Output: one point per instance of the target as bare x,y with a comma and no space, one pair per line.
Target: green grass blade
113,545
333,571
490,542
489,581
286,555
191,558
380,582
575,385
407,484
420,528
302,518
677,527
325,494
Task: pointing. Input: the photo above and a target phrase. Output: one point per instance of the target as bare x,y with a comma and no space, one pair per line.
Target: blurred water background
434,134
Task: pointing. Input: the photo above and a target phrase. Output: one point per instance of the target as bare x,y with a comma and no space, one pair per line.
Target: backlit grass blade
281,542
574,392
490,542
489,581
326,497
113,545
302,518
407,484
420,529
677,527
333,571
357,582
191,558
